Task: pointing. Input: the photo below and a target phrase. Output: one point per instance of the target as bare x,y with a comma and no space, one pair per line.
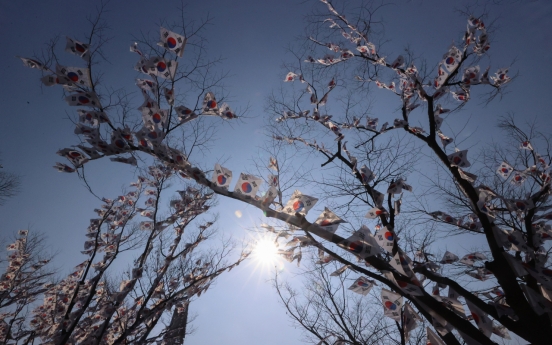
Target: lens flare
265,251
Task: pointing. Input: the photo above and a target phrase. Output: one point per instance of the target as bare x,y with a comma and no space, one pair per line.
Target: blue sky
252,36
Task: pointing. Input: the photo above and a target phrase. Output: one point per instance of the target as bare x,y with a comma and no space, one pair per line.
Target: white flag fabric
392,304
125,285
409,288
375,213
459,159
248,185
519,205
364,235
444,139
210,106
467,176
504,170
366,174
77,48
410,320
449,258
398,63
31,63
185,114
442,75
226,113
340,271
146,225
452,301
75,157
273,180
153,117
518,179
158,66
398,186
372,123
539,304
148,101
290,77
76,75
362,286
164,68
441,325
470,259
64,168
273,164
396,264
169,95
471,75
54,79
385,238
299,203
334,128
172,42
438,122
221,176
329,221
526,146
361,243
514,240
501,331
147,85
92,118
269,196
432,338
378,198
452,58
87,99
481,319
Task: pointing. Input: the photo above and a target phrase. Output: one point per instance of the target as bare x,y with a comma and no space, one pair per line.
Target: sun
265,251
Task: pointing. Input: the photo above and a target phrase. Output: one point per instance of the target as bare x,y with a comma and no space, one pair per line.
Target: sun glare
265,251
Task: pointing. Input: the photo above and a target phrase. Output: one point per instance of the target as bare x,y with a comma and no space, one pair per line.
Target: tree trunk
176,332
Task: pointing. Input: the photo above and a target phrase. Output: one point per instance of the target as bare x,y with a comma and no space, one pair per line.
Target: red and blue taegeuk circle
171,42
73,76
161,66
246,187
356,247
390,305
298,206
80,48
84,100
362,283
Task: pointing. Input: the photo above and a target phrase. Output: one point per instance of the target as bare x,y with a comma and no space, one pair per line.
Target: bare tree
9,185
23,282
399,255
329,313
92,305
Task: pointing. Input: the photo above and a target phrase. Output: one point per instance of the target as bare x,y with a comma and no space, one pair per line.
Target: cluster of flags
77,81
82,297
541,169
361,243
247,187
20,270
